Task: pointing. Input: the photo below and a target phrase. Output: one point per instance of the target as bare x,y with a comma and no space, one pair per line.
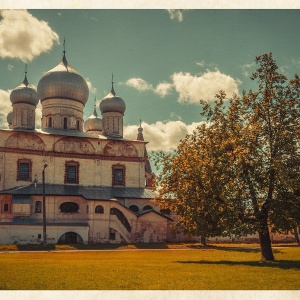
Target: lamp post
44,209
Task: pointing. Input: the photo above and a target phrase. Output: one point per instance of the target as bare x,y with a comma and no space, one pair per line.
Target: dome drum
64,114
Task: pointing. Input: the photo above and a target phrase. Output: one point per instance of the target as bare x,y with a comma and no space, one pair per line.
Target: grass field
218,268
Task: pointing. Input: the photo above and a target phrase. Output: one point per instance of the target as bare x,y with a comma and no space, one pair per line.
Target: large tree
239,172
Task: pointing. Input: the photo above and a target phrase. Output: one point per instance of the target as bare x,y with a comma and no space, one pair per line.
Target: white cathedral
96,185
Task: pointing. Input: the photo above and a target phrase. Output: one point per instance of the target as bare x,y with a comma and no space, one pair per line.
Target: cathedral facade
74,181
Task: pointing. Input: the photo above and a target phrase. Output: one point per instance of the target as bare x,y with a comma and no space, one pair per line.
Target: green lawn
183,269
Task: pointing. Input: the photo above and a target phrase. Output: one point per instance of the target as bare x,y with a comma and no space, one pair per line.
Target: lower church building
96,185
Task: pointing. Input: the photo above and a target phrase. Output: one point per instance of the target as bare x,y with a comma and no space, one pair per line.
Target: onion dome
93,123
9,118
24,93
64,82
112,103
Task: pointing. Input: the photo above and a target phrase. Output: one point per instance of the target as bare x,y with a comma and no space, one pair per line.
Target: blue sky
164,61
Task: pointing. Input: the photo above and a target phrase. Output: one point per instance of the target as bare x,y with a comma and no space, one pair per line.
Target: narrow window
99,209
6,207
65,123
112,235
24,170
118,175
38,206
87,209
50,122
72,172
77,125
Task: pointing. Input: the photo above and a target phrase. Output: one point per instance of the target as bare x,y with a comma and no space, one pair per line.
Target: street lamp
44,209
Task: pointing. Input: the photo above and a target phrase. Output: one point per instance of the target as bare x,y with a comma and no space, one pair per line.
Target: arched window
99,209
134,208
50,123
147,207
38,206
69,207
77,125
65,123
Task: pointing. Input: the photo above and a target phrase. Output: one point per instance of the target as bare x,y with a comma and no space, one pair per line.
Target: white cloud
5,108
200,63
176,14
193,88
173,115
296,62
163,89
138,84
90,86
190,88
247,69
24,37
162,135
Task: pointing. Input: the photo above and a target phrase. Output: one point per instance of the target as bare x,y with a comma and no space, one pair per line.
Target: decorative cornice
71,155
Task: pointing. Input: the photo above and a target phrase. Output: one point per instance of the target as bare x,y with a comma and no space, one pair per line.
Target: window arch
99,209
147,207
69,207
134,208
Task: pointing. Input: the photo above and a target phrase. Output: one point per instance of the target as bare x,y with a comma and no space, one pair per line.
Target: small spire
95,111
140,136
64,60
25,81
112,85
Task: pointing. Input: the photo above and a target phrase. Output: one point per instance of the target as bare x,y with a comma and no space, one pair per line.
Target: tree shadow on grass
234,249
281,264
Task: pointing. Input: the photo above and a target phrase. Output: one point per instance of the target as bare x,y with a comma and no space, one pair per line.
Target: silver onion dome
9,118
112,103
24,93
63,81
93,123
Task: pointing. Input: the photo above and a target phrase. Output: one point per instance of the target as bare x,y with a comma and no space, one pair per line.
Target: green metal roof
88,192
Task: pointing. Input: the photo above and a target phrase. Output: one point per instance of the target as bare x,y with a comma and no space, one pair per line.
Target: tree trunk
265,245
203,241
296,235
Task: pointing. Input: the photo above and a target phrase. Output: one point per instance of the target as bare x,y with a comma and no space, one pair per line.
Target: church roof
87,192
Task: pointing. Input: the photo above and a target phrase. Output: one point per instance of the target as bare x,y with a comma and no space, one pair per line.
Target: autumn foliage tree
239,172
